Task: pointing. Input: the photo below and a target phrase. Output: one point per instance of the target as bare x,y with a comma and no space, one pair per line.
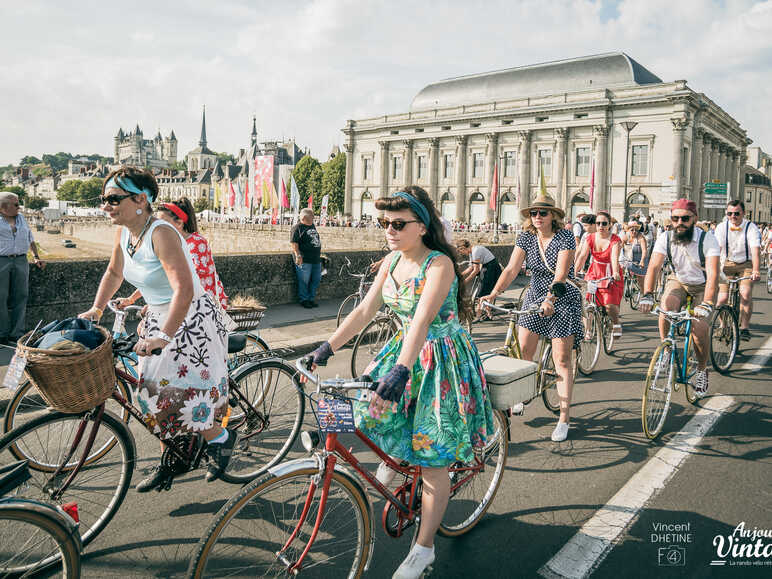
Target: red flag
232,198
284,199
310,201
495,187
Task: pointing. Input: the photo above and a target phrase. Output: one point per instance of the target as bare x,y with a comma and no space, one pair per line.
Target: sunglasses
601,223
540,212
732,213
397,224
113,200
680,218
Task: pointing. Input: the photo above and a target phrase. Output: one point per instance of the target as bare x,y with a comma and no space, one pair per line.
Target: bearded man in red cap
694,255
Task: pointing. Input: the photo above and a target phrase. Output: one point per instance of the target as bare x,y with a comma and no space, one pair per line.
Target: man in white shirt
695,258
740,242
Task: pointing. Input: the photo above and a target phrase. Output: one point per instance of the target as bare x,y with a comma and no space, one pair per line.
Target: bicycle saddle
236,343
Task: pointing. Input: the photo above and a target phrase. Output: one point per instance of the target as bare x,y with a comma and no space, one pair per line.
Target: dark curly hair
434,238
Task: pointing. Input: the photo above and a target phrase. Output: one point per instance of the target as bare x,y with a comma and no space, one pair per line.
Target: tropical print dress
445,411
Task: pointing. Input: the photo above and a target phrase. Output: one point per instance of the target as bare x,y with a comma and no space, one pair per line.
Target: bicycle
725,329
93,468
313,516
632,290
373,337
546,376
597,328
34,535
351,301
668,370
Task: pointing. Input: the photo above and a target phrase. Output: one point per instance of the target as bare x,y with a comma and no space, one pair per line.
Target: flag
274,197
275,216
592,186
311,201
232,197
266,196
284,200
542,184
294,195
495,188
239,195
257,190
323,212
217,194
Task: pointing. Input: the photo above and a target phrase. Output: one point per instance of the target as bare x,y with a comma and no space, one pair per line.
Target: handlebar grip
307,362
156,351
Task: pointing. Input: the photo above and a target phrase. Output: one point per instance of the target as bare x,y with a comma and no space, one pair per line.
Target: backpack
747,250
701,250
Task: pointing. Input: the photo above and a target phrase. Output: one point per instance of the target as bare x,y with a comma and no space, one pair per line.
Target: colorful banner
323,213
264,177
284,200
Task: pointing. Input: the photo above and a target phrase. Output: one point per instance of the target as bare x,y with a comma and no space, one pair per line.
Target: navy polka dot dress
567,319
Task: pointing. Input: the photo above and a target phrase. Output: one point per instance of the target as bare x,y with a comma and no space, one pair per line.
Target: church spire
254,130
202,140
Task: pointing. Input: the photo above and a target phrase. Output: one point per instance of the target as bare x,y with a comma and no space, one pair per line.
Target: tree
57,162
68,191
89,192
201,204
179,166
34,203
334,183
17,190
224,158
307,181
29,160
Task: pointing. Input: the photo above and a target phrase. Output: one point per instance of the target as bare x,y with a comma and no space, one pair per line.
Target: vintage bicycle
88,458
351,301
670,368
313,516
725,329
598,328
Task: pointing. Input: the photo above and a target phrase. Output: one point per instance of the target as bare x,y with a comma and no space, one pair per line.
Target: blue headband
128,185
417,207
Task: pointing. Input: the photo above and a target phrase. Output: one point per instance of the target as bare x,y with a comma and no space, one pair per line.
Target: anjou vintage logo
744,547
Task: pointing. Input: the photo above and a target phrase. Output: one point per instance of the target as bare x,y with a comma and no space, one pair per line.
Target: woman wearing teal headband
185,387
430,406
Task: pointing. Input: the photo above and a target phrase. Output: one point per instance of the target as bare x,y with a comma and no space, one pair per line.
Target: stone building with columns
606,133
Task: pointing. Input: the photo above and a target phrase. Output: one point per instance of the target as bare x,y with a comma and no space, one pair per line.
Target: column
384,168
408,162
491,158
600,200
524,159
434,170
697,146
679,126
742,160
461,210
713,160
561,188
347,198
721,166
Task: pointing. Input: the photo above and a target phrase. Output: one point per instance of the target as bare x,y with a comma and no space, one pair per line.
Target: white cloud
72,76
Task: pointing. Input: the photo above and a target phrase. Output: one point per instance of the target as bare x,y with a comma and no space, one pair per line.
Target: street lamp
628,126
498,201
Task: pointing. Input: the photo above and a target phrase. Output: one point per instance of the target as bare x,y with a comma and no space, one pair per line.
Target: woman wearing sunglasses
186,385
430,406
604,247
182,216
548,251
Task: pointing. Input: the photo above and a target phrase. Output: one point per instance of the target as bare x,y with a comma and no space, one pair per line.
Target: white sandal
616,331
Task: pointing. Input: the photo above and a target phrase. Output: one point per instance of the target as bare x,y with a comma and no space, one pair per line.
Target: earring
139,211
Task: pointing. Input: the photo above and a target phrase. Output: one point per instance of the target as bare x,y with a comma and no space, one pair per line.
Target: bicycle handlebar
113,306
302,365
739,279
532,309
125,345
679,315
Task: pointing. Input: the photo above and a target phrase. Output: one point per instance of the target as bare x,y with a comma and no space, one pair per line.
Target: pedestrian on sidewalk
307,249
15,241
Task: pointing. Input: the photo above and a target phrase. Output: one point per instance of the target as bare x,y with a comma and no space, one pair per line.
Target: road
549,490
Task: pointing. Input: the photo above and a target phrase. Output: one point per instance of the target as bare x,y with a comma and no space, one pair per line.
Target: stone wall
66,288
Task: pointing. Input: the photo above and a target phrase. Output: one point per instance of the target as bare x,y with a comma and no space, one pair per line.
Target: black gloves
558,289
391,386
322,354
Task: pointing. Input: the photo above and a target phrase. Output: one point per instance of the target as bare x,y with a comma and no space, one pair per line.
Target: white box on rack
510,380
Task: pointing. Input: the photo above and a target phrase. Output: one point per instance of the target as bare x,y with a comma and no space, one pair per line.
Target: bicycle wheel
33,537
369,342
607,333
724,339
269,426
252,527
548,379
635,295
590,351
98,488
27,405
346,307
472,492
657,390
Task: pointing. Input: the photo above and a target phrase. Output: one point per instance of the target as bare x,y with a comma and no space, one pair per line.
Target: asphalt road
549,490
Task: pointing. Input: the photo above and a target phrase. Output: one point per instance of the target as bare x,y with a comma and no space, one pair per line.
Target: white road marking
759,361
592,543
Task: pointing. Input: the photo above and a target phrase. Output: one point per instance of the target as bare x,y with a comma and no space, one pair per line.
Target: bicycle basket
71,381
245,317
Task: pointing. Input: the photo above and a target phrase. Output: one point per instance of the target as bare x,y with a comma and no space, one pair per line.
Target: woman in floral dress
183,388
431,405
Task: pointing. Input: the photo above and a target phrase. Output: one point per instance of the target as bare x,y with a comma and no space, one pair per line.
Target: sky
73,73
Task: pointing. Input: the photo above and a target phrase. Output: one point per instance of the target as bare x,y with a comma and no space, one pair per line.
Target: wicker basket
70,381
245,317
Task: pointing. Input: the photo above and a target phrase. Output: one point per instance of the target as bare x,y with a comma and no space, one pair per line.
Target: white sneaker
385,474
561,432
518,409
417,561
701,383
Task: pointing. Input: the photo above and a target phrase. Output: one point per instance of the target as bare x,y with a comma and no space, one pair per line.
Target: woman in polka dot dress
543,237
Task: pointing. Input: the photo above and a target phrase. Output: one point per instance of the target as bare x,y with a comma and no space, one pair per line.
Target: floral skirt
186,387
445,411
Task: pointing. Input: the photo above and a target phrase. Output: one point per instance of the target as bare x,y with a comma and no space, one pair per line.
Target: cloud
74,75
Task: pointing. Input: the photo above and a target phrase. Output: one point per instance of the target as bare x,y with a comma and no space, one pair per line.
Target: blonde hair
557,224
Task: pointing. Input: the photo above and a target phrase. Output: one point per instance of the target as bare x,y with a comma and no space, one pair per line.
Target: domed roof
598,71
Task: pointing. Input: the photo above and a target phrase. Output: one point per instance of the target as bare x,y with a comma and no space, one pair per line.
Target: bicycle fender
314,462
45,510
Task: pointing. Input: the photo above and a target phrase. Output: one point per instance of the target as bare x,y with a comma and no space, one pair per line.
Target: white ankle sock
423,551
